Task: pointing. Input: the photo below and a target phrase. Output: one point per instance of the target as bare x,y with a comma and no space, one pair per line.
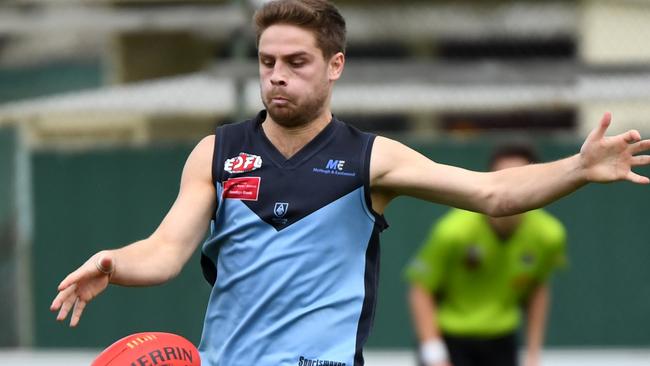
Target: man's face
296,81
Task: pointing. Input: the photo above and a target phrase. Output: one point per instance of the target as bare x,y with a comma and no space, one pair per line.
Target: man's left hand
610,158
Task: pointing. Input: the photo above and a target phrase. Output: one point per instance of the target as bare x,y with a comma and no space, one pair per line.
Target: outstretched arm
157,258
398,170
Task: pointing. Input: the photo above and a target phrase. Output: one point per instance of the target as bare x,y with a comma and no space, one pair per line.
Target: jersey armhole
216,166
380,220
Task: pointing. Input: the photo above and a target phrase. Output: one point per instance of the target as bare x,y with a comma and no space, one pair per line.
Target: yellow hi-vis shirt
480,281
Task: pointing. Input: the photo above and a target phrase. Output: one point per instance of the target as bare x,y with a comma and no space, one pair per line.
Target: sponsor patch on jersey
334,167
303,361
242,163
242,188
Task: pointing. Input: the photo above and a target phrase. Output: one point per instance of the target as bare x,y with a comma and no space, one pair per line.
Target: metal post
23,201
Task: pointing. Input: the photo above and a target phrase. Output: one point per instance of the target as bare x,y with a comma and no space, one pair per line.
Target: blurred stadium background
101,100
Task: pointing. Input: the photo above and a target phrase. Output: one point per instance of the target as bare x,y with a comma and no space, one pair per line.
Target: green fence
86,202
44,79
8,332
90,201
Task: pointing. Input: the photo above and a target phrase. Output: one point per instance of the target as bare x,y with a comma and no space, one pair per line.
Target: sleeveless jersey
293,253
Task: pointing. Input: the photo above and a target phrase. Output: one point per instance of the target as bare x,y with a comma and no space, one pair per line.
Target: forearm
537,310
144,263
432,350
424,314
521,189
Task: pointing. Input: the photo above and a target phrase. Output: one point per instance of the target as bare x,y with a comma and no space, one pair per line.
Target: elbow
169,267
173,273
165,263
498,204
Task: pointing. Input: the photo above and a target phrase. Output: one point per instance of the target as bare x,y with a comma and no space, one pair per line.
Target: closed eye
267,62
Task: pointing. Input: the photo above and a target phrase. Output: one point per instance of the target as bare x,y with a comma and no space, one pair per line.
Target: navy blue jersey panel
327,168
382,223
371,283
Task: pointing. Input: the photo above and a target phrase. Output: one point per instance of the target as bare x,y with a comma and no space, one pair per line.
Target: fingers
69,297
599,132
61,297
641,160
79,307
68,300
640,146
632,136
102,265
636,178
73,277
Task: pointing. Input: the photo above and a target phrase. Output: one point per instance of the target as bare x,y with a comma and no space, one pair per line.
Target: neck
504,226
289,140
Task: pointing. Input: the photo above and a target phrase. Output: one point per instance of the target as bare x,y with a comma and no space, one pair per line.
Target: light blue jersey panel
283,295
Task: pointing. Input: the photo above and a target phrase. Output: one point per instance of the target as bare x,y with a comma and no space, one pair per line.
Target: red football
148,349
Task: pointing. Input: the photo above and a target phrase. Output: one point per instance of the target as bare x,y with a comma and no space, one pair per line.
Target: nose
278,77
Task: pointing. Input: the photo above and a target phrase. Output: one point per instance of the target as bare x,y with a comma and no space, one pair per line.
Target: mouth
279,100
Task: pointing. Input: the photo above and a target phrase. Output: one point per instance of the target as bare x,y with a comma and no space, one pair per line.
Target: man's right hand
83,285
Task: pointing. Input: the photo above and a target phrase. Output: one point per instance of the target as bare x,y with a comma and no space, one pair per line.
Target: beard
293,114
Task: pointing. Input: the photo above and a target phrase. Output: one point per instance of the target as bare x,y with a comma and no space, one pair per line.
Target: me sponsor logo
335,164
334,167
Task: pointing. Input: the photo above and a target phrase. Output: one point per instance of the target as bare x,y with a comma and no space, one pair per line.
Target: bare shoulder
205,146
383,144
384,151
389,156
199,162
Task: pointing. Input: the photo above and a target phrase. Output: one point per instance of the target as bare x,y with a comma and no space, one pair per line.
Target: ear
335,66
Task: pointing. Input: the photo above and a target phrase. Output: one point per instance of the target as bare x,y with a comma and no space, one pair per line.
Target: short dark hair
319,16
519,150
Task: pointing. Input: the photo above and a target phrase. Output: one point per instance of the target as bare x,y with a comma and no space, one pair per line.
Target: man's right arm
156,259
162,255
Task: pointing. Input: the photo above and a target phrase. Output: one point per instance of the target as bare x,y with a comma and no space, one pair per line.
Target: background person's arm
157,258
398,170
536,324
425,319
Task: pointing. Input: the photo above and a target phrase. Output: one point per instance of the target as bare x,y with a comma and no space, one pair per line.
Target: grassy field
568,357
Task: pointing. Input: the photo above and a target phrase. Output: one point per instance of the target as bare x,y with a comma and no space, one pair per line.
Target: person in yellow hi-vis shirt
473,274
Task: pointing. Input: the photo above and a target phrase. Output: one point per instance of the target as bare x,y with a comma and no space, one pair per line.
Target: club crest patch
242,163
280,209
